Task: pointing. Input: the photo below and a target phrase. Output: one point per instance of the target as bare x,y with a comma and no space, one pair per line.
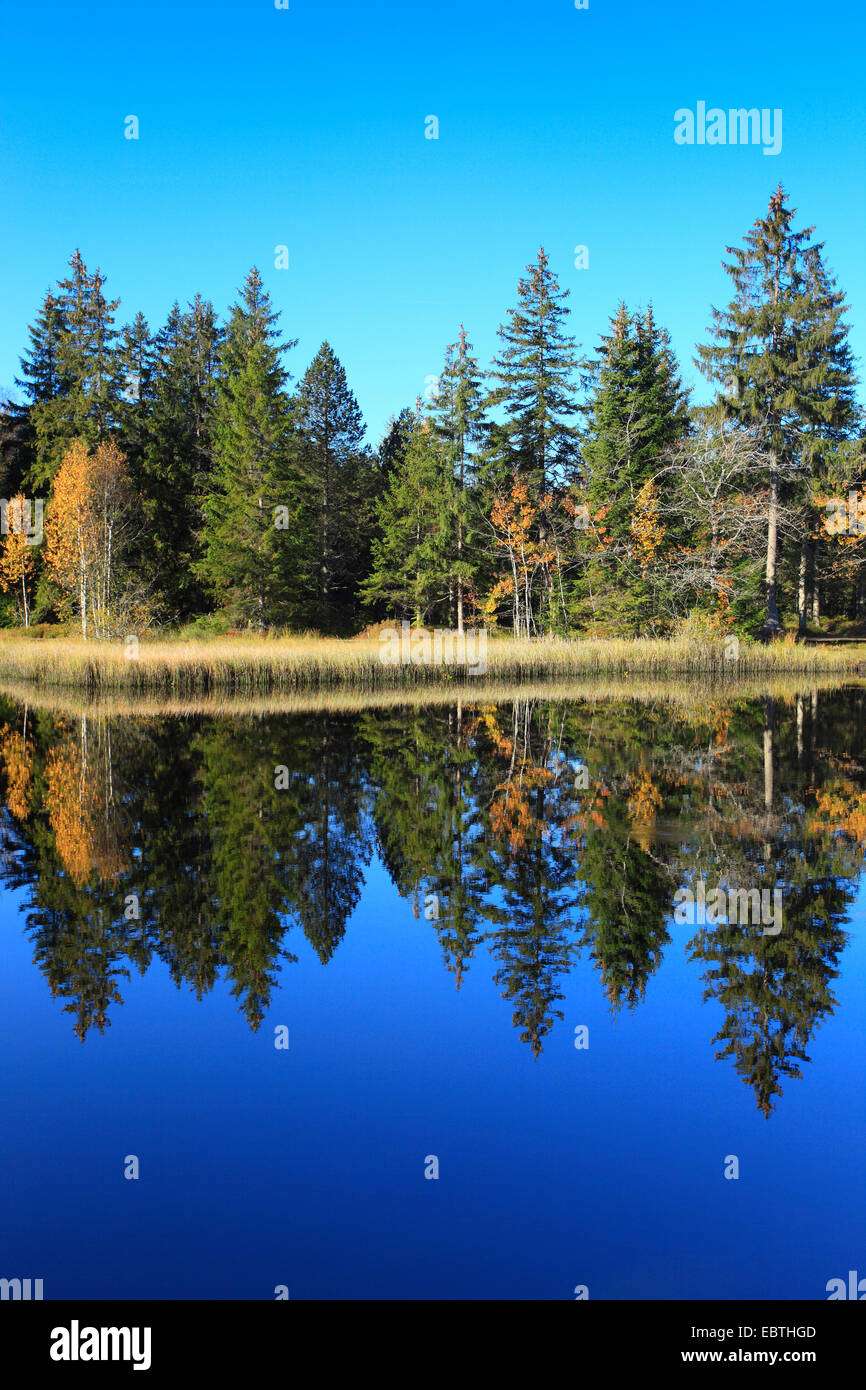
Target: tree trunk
802,590
460,577
772,626
769,722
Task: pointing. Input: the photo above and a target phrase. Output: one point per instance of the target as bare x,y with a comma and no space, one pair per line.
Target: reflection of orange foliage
592,809
511,817
840,806
68,812
19,773
644,801
82,822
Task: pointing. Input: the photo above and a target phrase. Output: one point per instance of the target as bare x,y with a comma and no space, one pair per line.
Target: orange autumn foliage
840,807
18,767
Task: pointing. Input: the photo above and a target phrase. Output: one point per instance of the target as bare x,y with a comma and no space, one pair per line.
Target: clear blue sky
305,127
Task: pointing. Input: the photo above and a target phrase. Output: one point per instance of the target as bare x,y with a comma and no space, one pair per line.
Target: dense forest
187,479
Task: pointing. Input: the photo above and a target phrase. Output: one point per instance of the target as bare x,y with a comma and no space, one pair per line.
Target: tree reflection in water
544,831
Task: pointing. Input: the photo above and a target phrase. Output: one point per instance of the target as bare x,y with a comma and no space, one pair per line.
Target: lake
479,998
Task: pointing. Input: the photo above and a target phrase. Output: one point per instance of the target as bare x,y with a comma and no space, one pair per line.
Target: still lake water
464,917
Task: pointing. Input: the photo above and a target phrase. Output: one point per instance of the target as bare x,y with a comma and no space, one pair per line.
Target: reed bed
255,665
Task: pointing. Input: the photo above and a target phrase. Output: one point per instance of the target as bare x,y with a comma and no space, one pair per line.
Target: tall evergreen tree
637,413
243,538
413,553
42,384
392,450
338,477
459,424
136,359
535,370
174,470
779,357
72,374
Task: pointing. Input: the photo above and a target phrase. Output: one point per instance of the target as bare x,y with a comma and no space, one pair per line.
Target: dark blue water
413,1036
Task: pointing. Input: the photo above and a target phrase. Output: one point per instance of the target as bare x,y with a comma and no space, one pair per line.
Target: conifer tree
136,359
174,469
637,413
392,450
40,382
338,478
72,375
459,424
779,358
413,552
535,371
243,551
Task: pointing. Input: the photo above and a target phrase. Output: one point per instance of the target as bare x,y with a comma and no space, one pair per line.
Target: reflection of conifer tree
455,878
330,850
535,948
81,958
173,878
75,918
627,897
527,854
775,989
405,752
426,821
251,827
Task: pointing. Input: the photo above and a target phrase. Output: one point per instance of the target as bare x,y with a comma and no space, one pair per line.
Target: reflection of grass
694,700
249,665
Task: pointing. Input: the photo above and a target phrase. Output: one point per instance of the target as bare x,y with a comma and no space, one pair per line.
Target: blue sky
305,127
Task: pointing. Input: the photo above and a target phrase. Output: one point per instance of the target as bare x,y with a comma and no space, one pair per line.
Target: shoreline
238,666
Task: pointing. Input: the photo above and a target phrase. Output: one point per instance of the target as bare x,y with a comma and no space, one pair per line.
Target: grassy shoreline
256,665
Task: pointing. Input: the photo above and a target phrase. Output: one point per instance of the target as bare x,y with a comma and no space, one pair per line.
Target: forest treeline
188,479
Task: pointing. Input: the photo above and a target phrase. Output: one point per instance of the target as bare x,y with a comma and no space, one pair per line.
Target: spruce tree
779,357
41,382
413,553
637,413
535,370
243,550
73,375
136,359
173,471
459,424
392,450
338,479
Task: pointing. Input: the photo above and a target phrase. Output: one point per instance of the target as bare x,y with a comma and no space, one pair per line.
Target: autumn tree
93,517
17,551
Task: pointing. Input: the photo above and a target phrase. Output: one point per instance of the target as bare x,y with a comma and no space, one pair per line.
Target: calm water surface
462,920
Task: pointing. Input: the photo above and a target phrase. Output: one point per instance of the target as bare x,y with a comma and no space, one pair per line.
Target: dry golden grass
257,665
